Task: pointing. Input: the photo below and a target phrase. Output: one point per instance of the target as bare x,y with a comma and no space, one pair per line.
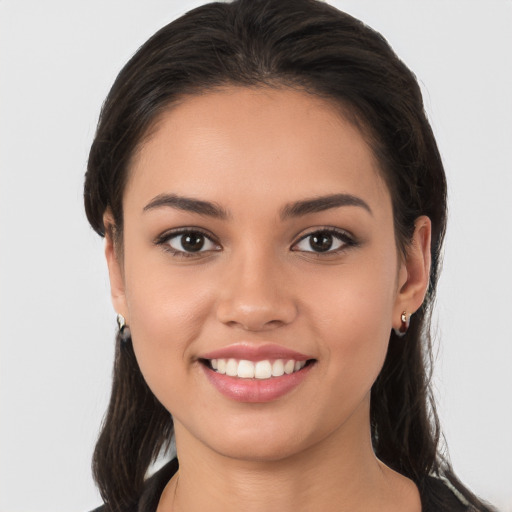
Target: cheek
355,298
353,312
167,312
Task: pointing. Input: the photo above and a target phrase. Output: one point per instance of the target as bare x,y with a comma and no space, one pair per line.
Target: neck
339,473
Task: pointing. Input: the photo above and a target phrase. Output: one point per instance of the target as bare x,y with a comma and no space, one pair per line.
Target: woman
274,206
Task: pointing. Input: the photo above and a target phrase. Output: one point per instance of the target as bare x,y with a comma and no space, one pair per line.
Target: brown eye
324,241
191,242
321,242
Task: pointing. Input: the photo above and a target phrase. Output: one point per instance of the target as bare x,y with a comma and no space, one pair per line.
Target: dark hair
311,46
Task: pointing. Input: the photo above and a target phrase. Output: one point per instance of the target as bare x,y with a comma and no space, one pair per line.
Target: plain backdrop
58,59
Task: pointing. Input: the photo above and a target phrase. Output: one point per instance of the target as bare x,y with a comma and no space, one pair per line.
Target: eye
324,241
187,243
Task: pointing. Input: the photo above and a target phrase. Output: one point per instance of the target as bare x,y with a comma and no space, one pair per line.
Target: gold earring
405,320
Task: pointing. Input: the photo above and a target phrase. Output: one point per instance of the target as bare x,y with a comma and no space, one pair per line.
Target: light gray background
57,61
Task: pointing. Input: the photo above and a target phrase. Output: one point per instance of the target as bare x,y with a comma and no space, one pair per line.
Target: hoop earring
124,330
405,320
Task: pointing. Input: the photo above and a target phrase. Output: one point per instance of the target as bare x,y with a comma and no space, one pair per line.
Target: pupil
321,242
192,242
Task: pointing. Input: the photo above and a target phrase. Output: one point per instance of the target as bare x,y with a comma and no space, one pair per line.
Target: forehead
258,143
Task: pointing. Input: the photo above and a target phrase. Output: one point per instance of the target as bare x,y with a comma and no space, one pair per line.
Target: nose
255,295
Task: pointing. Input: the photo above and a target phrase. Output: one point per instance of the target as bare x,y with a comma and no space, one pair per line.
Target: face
260,276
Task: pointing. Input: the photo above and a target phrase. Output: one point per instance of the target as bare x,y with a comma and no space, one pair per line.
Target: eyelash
164,239
341,235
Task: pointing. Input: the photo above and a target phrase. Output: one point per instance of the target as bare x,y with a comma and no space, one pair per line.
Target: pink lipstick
255,373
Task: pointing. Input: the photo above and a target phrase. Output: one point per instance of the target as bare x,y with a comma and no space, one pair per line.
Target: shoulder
153,488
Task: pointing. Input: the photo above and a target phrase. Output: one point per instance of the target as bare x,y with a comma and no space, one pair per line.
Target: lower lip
256,390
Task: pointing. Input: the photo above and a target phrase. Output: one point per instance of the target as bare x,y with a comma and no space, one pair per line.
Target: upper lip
251,352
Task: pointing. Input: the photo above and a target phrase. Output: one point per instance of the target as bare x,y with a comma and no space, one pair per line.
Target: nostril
255,324
256,309
257,319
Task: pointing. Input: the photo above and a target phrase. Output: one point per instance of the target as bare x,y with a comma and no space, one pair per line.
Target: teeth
263,370
256,370
232,368
221,366
246,369
289,367
278,368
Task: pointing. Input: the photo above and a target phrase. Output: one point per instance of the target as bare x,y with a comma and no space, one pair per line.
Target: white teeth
246,369
221,366
232,368
299,365
278,368
256,370
263,370
289,367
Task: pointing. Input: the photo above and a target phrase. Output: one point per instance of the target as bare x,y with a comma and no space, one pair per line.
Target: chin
262,451
260,438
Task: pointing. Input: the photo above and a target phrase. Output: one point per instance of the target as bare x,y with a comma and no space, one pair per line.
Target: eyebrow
187,204
295,209
322,203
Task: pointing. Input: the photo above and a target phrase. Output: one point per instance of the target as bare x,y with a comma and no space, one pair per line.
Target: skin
251,152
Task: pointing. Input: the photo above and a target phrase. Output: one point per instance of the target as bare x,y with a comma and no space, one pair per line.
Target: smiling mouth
262,370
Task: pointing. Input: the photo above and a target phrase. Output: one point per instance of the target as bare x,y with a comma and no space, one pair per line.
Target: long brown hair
314,47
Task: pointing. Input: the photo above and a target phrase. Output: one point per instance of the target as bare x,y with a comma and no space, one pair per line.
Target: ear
414,272
115,266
